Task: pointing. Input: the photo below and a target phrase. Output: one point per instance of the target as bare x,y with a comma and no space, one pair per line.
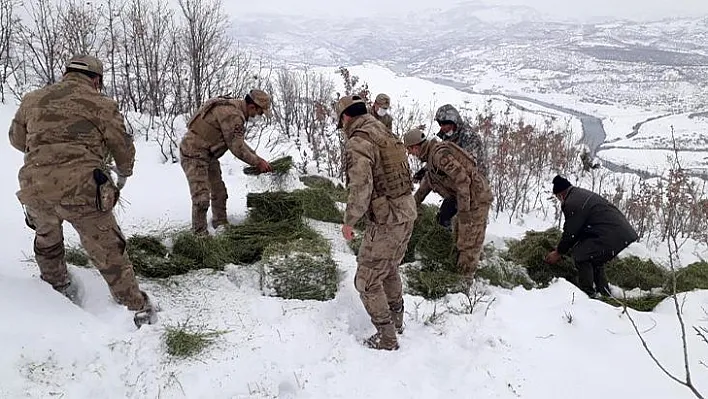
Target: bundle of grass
274,206
300,269
337,192
689,278
355,243
204,251
318,204
530,252
644,303
280,166
503,273
185,341
632,272
431,282
150,258
425,225
76,256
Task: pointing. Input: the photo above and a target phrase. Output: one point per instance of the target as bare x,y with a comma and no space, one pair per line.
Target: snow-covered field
546,343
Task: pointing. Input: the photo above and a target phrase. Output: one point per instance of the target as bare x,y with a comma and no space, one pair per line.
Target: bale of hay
318,204
338,192
530,252
205,251
76,256
150,258
431,283
424,226
280,166
301,269
644,303
689,278
274,206
503,273
632,272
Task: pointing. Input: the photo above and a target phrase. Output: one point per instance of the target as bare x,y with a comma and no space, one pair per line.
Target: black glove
418,176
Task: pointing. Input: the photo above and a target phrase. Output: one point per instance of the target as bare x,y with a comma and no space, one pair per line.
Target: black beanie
560,184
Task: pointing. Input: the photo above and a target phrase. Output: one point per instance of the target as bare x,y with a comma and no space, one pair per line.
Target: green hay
280,166
645,303
338,192
301,269
503,273
689,278
426,228
274,206
355,243
205,251
632,272
532,249
431,283
76,256
184,341
318,204
150,258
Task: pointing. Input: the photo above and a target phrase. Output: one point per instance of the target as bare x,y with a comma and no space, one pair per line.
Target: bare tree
80,26
9,23
41,38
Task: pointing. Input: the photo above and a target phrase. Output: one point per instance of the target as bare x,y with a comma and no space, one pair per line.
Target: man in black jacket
595,230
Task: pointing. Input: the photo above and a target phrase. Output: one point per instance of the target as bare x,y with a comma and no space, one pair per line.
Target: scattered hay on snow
185,341
504,273
150,258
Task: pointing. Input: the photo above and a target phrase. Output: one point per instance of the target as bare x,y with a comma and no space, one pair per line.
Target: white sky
576,9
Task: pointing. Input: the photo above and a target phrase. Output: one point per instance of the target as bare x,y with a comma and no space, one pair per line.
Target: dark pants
592,272
448,209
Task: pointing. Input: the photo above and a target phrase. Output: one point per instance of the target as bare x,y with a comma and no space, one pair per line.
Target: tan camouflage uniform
384,101
217,127
453,173
67,131
390,221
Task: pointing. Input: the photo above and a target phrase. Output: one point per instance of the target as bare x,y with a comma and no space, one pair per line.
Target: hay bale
632,272
503,273
689,278
76,256
280,166
300,269
530,252
338,192
431,283
425,227
274,206
644,303
318,204
205,251
150,258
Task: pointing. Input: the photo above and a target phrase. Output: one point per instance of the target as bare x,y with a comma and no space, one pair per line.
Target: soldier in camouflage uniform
453,173
454,129
380,108
66,131
217,127
380,189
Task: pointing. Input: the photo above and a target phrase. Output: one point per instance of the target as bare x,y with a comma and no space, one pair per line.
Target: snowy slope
519,344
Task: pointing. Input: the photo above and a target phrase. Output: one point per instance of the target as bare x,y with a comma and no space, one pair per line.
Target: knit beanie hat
560,184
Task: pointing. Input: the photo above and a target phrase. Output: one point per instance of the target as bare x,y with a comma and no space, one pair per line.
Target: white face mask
255,119
382,112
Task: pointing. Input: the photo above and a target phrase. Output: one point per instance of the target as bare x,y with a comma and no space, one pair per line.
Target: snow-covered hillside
541,343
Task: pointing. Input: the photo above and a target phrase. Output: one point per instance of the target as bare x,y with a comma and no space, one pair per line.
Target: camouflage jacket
66,130
363,168
387,120
465,137
452,172
218,126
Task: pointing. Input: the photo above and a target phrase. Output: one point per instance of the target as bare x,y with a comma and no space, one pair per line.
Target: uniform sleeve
359,155
423,191
575,217
231,124
18,131
448,164
119,142
475,147
389,122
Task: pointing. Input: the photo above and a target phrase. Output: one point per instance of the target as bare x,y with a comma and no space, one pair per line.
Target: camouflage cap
86,63
448,113
413,137
346,102
383,100
261,99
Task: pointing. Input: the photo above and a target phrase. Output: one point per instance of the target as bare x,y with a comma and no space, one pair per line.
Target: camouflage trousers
377,277
205,183
470,239
100,236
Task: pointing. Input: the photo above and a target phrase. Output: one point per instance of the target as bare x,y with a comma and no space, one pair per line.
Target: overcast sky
577,9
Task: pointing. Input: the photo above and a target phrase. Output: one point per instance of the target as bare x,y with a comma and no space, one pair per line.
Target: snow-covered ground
546,343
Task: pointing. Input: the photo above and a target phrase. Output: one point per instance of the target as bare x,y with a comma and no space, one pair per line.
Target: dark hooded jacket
594,228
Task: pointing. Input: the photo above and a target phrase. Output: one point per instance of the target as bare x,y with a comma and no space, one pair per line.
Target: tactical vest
202,128
392,178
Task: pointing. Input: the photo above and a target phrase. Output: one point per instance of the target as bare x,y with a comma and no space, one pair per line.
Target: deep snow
517,344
